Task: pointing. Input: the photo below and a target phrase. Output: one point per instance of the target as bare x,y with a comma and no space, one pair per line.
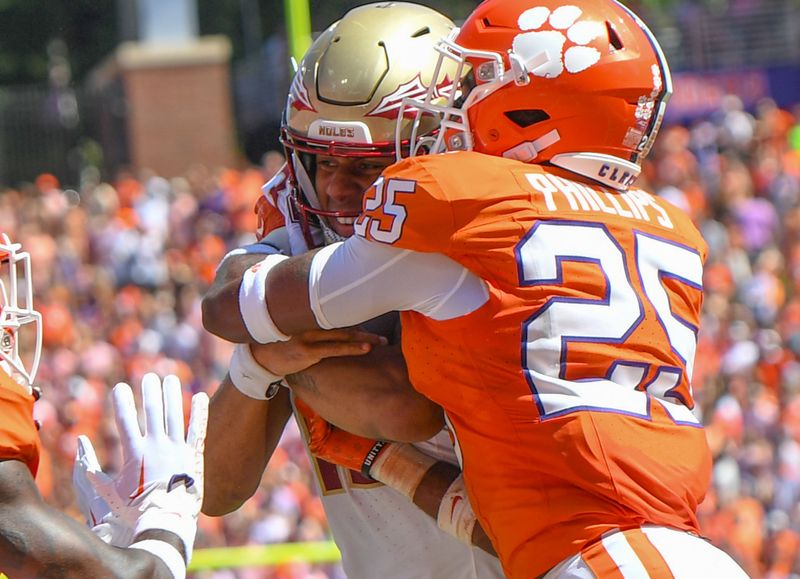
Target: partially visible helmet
16,313
348,89
579,84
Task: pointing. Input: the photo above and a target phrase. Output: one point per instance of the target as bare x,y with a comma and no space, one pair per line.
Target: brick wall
179,104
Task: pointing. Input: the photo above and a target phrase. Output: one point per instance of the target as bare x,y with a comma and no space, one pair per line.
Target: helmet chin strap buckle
521,69
528,150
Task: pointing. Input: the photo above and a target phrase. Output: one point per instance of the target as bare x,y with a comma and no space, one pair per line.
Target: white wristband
253,303
167,553
157,519
250,377
456,516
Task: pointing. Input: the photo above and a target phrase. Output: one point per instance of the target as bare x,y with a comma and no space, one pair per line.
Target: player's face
341,183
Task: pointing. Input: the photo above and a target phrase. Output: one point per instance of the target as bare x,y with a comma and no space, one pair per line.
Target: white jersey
379,532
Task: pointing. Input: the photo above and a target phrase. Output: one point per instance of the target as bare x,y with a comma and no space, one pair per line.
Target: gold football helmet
349,88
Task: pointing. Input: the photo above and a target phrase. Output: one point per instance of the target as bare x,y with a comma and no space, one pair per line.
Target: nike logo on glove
180,478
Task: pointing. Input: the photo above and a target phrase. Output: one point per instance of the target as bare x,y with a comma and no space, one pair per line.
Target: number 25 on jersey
565,323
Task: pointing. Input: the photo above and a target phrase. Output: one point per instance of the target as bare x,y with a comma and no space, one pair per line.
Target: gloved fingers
173,407
87,472
85,454
92,506
153,405
127,420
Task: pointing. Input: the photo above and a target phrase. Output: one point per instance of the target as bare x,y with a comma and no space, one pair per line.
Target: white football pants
649,552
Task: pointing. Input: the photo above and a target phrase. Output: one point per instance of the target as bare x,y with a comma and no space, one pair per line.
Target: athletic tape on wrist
182,525
455,516
250,377
401,467
253,304
166,552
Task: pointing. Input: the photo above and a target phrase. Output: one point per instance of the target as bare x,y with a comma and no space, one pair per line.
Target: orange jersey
18,437
569,389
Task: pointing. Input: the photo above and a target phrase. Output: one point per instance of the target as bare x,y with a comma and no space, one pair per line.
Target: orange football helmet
581,85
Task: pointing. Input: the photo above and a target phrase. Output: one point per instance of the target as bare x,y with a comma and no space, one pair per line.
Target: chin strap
329,234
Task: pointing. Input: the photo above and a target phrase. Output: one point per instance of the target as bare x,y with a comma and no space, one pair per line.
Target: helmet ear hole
527,117
421,32
613,37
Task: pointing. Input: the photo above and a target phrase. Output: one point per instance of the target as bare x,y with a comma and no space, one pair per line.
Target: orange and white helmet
349,87
579,84
16,313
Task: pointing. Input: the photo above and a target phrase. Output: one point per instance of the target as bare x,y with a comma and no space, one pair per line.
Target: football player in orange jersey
549,306
157,525
339,133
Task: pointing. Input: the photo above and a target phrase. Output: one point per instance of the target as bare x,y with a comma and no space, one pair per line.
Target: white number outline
556,396
396,211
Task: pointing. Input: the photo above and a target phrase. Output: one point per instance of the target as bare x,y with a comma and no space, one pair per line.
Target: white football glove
98,514
160,484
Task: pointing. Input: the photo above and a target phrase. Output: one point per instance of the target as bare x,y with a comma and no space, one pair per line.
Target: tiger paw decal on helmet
562,35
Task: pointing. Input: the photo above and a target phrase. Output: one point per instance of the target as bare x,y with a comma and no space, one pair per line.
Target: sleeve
406,207
269,217
268,204
19,439
333,444
357,280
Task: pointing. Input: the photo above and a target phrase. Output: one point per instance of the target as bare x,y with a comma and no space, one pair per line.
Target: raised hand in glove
160,484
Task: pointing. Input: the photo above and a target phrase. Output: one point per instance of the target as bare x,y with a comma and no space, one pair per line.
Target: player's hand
308,348
110,529
333,444
160,485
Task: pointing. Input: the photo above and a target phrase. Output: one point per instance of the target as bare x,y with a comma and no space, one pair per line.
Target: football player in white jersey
339,134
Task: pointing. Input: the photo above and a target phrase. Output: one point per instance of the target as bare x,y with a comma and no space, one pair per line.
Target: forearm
435,482
338,286
369,396
345,284
38,541
236,422
436,487
63,548
220,305
431,491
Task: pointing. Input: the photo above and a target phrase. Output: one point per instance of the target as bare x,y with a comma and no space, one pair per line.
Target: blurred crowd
120,268
737,173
